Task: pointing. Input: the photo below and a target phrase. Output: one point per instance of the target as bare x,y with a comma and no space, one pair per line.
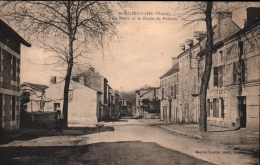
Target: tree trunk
207,71
66,94
69,69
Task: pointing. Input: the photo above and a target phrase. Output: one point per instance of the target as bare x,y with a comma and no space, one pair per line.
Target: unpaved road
130,142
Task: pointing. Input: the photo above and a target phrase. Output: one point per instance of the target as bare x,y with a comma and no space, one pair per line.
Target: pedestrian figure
58,121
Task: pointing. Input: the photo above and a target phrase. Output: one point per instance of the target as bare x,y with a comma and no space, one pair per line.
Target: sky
142,55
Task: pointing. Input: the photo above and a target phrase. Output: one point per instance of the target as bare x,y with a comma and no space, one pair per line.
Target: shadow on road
25,134
109,153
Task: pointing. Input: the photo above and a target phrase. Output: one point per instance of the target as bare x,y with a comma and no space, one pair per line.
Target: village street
127,141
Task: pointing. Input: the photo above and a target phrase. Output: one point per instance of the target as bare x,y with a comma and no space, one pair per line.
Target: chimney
253,14
92,68
53,80
189,42
175,61
224,21
182,47
199,35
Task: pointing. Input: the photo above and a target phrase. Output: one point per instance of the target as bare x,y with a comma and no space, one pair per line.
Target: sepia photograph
129,82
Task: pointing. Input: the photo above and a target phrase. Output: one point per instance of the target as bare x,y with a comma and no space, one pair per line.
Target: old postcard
89,82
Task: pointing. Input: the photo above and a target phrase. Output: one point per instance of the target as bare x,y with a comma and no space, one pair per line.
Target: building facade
188,80
187,104
169,98
83,102
144,96
36,94
94,80
233,93
10,62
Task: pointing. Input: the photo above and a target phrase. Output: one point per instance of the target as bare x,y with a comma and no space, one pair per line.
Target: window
177,89
220,76
172,91
13,108
14,68
162,93
241,48
75,79
221,56
208,107
70,95
56,106
215,82
222,108
241,71
235,68
215,108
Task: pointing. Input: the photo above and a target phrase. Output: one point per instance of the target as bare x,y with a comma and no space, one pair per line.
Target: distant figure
58,121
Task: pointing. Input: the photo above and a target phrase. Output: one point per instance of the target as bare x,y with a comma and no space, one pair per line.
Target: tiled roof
36,86
11,33
174,69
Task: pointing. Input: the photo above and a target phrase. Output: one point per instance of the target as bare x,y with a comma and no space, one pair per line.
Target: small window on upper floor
241,48
221,56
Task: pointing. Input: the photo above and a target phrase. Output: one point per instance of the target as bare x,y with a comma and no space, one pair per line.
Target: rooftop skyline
140,57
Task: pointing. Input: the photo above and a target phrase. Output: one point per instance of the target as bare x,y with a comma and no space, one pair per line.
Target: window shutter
220,76
215,83
234,72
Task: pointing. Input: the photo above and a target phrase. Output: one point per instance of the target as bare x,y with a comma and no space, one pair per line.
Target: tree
195,13
67,28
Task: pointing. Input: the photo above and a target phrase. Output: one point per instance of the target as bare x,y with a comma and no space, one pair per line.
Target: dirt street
129,142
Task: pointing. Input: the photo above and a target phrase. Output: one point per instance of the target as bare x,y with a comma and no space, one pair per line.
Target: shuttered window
215,107
208,107
220,76
235,67
215,71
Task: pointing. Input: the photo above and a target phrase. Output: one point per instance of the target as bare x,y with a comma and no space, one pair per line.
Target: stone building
10,57
169,87
94,80
188,80
187,104
142,93
233,95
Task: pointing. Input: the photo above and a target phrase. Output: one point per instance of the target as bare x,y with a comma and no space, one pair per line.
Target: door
177,117
170,109
242,111
165,113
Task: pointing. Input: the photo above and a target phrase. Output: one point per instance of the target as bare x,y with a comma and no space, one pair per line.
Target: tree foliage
70,29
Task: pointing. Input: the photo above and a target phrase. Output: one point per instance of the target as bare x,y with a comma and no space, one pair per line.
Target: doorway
170,110
165,113
242,111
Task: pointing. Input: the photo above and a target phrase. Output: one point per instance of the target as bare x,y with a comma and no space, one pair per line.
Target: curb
177,132
182,133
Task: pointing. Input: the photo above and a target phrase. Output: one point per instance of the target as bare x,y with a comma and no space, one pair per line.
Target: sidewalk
243,139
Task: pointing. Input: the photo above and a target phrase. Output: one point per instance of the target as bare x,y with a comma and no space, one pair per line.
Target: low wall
38,119
43,119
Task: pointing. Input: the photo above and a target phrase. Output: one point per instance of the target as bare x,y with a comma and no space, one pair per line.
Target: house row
10,60
147,101
126,107
233,93
91,99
